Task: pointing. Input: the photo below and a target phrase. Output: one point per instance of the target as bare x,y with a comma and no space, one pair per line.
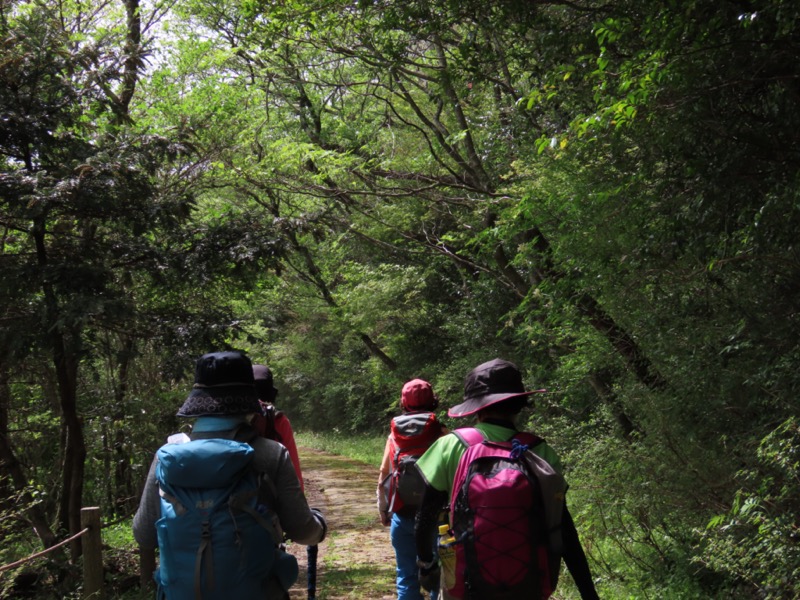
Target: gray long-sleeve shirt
272,462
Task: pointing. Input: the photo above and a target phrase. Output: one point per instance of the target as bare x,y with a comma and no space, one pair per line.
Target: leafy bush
758,540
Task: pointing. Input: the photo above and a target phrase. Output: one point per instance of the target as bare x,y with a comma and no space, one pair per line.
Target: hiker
232,548
495,394
273,424
270,422
411,434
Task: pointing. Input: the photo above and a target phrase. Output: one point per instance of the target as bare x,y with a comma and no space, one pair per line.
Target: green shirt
439,463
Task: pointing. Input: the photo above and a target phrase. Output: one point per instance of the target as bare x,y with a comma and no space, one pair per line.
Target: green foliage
757,539
16,542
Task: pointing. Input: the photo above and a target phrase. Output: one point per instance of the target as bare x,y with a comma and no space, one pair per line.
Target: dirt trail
356,560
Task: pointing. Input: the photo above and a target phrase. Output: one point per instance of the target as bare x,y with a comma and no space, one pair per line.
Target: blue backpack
216,542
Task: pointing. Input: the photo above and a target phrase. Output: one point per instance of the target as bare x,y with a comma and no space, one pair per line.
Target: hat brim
473,405
226,400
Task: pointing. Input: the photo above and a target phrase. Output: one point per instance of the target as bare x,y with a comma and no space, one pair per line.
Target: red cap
417,394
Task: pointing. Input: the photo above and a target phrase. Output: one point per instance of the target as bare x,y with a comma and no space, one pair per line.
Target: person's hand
321,520
429,575
386,520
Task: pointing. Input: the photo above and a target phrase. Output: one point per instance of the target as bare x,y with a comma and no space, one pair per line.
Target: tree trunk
75,451
63,346
123,494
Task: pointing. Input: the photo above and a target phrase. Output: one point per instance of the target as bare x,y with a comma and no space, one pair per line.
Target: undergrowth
367,449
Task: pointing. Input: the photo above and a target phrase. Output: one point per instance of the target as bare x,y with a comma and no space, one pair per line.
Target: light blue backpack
216,542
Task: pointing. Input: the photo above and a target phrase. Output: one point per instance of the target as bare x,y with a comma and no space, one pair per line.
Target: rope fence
93,587
22,561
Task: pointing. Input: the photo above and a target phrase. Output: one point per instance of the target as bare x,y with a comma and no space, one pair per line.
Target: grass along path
356,560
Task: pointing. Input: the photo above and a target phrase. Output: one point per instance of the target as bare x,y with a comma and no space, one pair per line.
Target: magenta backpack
506,512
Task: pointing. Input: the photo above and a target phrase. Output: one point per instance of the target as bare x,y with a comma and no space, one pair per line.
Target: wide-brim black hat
488,384
265,386
223,386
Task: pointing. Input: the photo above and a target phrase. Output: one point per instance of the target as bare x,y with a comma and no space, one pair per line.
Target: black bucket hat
223,386
488,384
265,388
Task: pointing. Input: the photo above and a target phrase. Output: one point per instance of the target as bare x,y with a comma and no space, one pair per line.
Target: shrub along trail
356,560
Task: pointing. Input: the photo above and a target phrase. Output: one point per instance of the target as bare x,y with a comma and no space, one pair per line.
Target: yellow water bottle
447,556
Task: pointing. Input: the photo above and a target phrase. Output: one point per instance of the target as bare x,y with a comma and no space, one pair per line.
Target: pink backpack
505,509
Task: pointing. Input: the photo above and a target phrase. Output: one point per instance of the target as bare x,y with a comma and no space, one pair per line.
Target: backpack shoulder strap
240,502
469,436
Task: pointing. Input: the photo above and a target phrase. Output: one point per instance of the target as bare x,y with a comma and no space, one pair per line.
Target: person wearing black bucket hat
223,387
494,393
222,401
270,422
273,424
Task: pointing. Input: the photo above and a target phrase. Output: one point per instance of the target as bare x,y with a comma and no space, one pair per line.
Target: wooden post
93,588
147,565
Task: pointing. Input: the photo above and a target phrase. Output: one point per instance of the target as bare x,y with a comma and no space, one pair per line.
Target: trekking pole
311,553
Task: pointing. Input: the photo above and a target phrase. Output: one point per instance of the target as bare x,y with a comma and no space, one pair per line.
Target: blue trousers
405,552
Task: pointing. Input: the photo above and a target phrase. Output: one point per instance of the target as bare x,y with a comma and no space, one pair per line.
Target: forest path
356,560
